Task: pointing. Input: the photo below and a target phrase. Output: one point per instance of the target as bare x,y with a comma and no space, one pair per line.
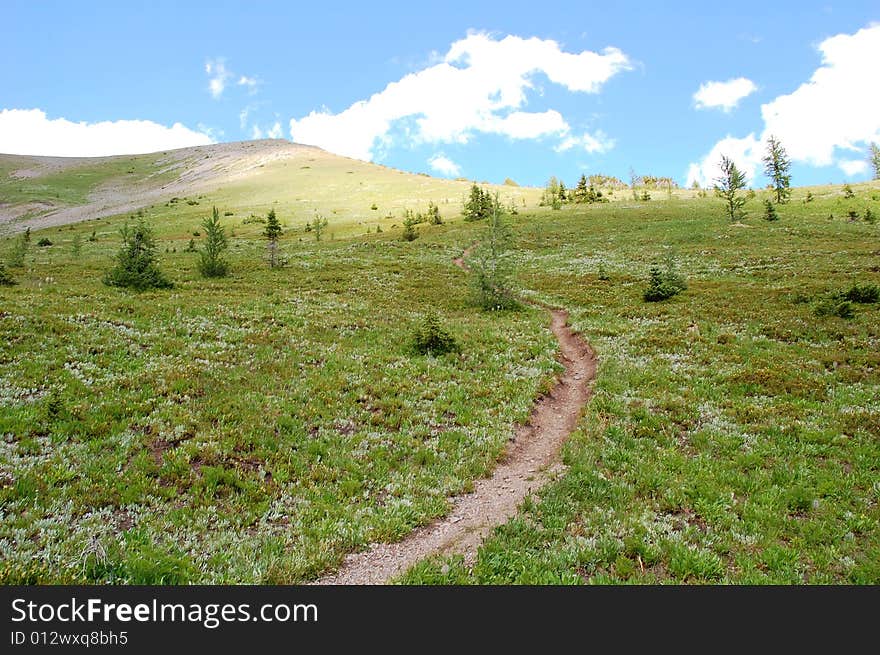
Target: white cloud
217,76
244,80
274,132
30,132
591,143
445,166
723,95
746,154
480,85
835,109
852,167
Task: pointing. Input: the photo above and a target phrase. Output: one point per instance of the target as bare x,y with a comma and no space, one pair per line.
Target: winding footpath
531,460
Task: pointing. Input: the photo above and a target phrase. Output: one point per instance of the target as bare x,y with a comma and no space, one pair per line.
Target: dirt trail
530,462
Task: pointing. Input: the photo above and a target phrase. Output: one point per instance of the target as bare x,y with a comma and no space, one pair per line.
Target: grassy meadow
256,428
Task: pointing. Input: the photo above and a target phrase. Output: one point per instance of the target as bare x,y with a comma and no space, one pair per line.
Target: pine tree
19,250
136,266
6,280
434,214
581,190
492,265
479,204
770,211
563,192
875,160
731,181
777,166
272,232
211,260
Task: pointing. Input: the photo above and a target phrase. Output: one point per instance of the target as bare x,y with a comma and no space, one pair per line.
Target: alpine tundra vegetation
179,426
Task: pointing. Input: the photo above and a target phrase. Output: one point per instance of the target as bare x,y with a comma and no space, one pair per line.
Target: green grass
257,428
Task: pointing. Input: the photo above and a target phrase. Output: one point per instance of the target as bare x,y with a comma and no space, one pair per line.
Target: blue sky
483,90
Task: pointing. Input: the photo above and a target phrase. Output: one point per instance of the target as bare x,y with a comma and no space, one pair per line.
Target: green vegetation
212,262
431,338
259,435
777,167
272,232
770,213
136,267
728,186
481,204
6,279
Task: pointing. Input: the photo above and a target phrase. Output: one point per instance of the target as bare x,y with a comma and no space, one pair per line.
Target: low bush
430,338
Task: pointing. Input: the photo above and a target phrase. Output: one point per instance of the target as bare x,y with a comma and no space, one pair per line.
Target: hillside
259,428
249,176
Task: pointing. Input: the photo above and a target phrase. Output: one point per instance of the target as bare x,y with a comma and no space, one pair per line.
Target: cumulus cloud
31,132
480,85
249,82
443,165
835,110
274,132
217,76
723,95
746,153
852,167
591,143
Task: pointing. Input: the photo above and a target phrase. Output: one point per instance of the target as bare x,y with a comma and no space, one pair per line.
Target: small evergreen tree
770,211
318,224
434,214
777,166
874,158
727,186
20,249
492,265
6,279
479,205
430,338
76,246
581,190
211,261
272,232
563,192
410,233
848,192
136,266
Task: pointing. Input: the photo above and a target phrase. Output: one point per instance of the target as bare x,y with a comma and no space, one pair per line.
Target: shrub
191,246
6,280
211,262
603,273
509,182
865,294
869,216
44,242
19,250
318,224
853,215
834,306
770,213
480,204
136,266
664,284
430,338
848,192
374,206
410,233
808,197
434,214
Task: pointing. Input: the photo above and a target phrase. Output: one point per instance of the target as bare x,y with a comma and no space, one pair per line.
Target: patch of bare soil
531,460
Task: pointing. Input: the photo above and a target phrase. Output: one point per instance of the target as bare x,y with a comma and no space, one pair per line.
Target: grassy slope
255,429
733,436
